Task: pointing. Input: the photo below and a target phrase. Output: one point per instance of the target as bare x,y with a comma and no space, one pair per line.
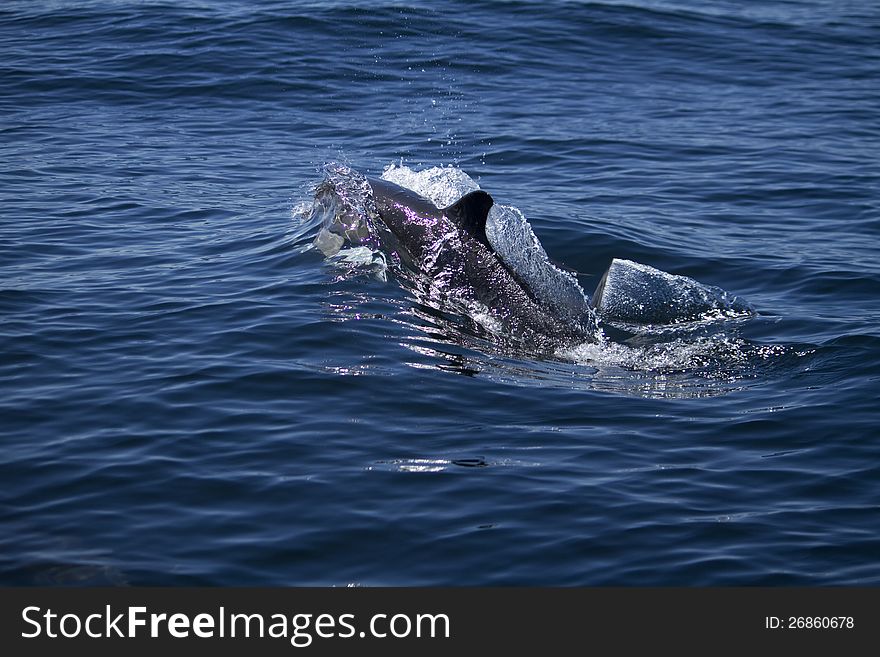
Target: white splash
443,186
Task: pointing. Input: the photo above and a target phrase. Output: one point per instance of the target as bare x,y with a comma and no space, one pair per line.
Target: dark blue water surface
191,394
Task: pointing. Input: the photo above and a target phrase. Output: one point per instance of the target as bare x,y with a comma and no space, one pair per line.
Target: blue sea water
190,393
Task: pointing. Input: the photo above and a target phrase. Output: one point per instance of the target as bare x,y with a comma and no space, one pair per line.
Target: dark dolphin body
447,260
449,249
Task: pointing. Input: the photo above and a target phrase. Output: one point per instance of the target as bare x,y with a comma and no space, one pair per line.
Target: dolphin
508,288
449,250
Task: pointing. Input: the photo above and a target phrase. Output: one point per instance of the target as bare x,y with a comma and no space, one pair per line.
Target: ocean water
191,393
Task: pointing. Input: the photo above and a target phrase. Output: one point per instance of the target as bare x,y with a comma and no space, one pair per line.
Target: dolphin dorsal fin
470,213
